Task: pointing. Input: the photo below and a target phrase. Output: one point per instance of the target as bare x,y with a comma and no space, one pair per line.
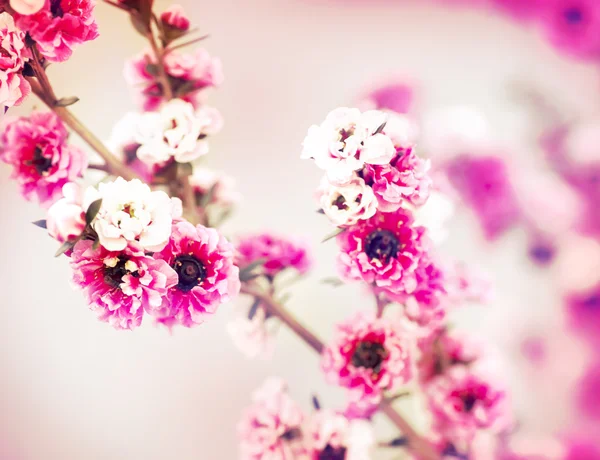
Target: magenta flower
384,251
579,448
426,305
60,26
393,94
175,18
368,355
207,276
404,179
42,161
120,286
583,312
588,394
277,252
463,401
270,429
484,185
13,86
520,9
573,25
189,75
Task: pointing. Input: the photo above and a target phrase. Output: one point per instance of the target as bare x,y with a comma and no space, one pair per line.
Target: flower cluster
276,428
131,253
13,56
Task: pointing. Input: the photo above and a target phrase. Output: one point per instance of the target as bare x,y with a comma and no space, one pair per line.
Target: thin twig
188,43
162,73
415,442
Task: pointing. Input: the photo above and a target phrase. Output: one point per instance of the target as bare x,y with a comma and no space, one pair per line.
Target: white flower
174,132
123,133
434,215
224,193
66,217
347,204
252,336
345,141
130,212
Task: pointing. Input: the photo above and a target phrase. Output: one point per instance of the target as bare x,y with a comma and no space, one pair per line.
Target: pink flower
426,305
520,9
27,6
463,401
483,183
13,86
207,276
66,217
347,204
277,252
174,17
252,332
189,75
220,186
579,448
588,393
384,251
60,26
404,179
443,349
583,312
42,161
330,435
393,94
120,286
270,429
573,25
368,355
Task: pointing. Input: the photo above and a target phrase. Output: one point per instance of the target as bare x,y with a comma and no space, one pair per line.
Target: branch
162,73
415,442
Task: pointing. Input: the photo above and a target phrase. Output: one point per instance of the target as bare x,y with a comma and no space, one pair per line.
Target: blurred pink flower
207,276
484,185
462,401
42,161
278,253
393,94
384,251
189,75
588,393
252,334
66,218
426,304
368,355
580,448
221,187
271,428
175,17
120,286
27,6
520,9
13,86
583,312
60,26
13,89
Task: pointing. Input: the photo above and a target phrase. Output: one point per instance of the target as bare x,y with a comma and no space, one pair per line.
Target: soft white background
72,388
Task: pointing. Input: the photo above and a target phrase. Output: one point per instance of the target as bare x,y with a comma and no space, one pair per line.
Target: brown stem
415,442
162,73
381,304
115,166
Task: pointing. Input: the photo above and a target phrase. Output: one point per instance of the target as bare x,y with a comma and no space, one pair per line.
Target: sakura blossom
347,204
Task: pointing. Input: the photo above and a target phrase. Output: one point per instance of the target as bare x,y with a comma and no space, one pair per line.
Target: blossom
426,304
330,435
120,285
220,187
393,94
131,212
251,333
175,18
66,217
384,251
13,86
27,6
42,161
189,75
435,214
588,393
207,276
277,253
572,25
583,312
404,179
520,9
346,141
464,400
368,355
176,131
484,185
346,204
270,429
60,26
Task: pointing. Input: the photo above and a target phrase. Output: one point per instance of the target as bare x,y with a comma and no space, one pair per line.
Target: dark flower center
382,245
345,134
340,203
292,434
573,15
40,162
113,276
56,8
450,451
592,302
130,153
369,355
190,270
332,453
469,401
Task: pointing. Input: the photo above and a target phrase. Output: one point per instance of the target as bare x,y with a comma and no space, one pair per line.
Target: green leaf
66,101
316,403
152,69
335,282
96,244
320,211
141,22
247,273
253,309
334,234
64,248
92,211
40,223
208,196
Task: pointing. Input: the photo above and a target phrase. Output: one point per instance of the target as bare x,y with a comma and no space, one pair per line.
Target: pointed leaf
253,309
64,248
399,442
208,196
66,101
40,223
316,403
320,211
247,273
334,234
381,127
92,211
333,281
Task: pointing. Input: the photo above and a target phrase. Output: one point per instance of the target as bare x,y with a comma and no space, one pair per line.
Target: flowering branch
162,73
418,444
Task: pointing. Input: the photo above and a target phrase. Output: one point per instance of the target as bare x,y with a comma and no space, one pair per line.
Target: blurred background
73,388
